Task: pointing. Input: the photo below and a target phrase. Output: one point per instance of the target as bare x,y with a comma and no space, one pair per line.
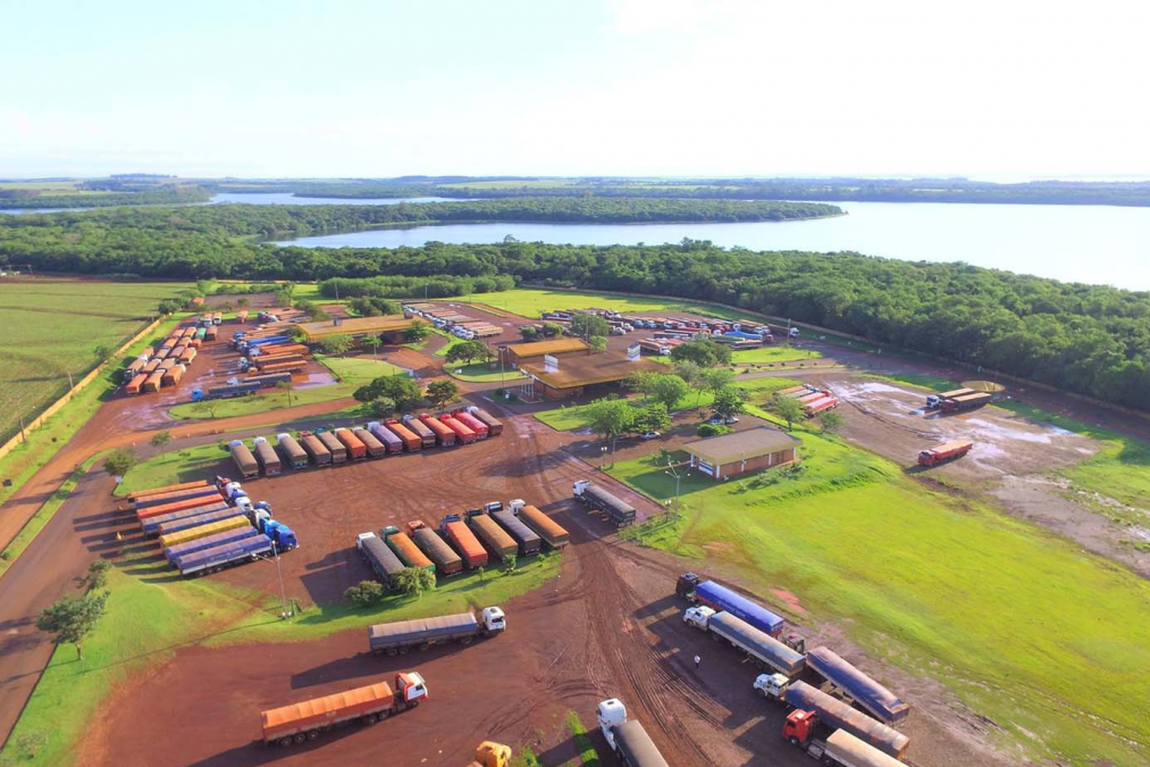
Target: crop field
52,329
529,302
542,183
51,187
1046,640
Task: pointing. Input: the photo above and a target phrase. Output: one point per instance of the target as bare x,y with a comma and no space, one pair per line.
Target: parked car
650,435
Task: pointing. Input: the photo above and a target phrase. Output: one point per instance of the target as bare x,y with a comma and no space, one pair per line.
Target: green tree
402,390
552,329
715,380
703,352
72,619
97,577
382,407
597,344
653,417
161,440
243,302
120,460
337,345
207,407
643,382
584,325
831,421
416,333
102,352
439,393
364,593
414,581
669,389
510,563
169,306
787,408
31,743
467,352
373,342
730,401
529,332
610,418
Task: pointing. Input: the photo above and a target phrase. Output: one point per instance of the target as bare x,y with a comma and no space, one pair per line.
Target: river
1076,243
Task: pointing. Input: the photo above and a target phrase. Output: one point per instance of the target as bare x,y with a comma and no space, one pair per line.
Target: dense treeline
1089,339
155,195
430,286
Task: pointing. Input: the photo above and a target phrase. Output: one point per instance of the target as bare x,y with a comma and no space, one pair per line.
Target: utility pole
280,576
674,473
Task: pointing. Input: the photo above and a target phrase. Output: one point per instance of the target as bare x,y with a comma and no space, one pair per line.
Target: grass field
541,183
770,354
352,373
54,188
1047,641
52,329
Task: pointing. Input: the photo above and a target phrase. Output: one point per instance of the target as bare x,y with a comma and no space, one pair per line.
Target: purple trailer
226,555
151,525
200,519
385,435
219,539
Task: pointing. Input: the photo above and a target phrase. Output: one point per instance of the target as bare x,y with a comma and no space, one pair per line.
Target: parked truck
618,511
947,451
473,423
552,533
153,382
410,439
295,455
494,425
305,721
398,637
464,434
202,531
152,491
426,436
763,649
626,737
355,449
720,598
135,386
821,405
315,448
170,496
173,375
464,541
815,712
390,439
172,524
209,542
151,525
866,693
185,503
382,560
495,539
375,448
447,562
934,401
966,402
224,555
443,435
527,539
266,456
842,749
406,550
244,460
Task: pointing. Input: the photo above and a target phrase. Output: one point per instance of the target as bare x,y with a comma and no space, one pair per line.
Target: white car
650,435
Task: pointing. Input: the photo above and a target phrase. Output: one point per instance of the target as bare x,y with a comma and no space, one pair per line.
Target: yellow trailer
195,533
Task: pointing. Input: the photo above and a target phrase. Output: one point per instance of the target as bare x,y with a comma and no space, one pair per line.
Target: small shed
743,452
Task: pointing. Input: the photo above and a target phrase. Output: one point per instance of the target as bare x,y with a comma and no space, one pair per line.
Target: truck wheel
466,640
312,734
795,742
285,742
413,704
384,715
403,650
300,737
424,647
392,651
762,692
370,719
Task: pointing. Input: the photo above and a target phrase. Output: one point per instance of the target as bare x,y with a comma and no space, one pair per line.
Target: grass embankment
1044,639
922,381
351,372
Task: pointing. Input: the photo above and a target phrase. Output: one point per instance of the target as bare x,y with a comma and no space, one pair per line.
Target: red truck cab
800,726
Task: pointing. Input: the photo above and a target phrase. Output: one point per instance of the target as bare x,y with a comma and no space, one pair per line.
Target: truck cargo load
153,491
355,448
465,542
498,543
847,750
153,382
463,433
966,402
151,525
820,405
133,369
180,505
473,423
835,713
882,704
261,362
594,496
528,540
399,636
375,448
334,446
406,549
209,542
627,738
224,555
765,650
420,429
447,562
171,496
135,385
444,435
382,560
722,599
295,455
244,460
494,425
266,456
210,334
170,526
202,531
315,449
947,451
284,367
301,722
390,439
933,401
552,533
410,439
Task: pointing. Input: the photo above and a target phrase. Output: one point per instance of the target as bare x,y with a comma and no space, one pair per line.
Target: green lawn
1046,640
353,372
928,382
173,467
769,354
481,372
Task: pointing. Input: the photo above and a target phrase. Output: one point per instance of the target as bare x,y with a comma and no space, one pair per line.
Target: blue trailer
745,336
199,519
151,525
224,392
722,599
219,539
225,555
880,702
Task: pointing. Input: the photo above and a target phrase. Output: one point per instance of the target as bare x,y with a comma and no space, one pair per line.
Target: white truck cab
515,505
699,616
494,620
579,486
610,714
771,685
359,539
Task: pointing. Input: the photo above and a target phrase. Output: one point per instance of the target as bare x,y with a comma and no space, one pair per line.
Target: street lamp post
678,477
280,576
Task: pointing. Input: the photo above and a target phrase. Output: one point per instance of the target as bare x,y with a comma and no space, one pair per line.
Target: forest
1090,339
167,194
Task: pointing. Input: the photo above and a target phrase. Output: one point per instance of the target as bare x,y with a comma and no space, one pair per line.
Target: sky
998,90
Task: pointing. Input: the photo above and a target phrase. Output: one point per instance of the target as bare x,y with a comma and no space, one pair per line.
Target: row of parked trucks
813,399
449,319
475,539
205,526
166,365
860,706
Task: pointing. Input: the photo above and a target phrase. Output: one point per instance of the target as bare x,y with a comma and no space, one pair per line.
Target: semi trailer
171,496
552,533
167,528
209,542
866,693
593,496
966,402
947,451
410,439
301,722
224,555
842,749
464,434
390,439
527,539
244,460
498,543
315,449
447,562
443,435
151,525
494,425
934,401
334,446
295,455
398,637
626,737
266,456
202,531
406,550
416,425
473,423
180,505
163,489
464,541
382,560
356,450
722,599
815,710
763,649
375,448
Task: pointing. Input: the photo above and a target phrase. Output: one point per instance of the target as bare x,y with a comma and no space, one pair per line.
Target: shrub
712,429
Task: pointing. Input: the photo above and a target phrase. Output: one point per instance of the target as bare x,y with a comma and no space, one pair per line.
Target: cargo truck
174,524
202,531
390,439
153,382
224,392
464,434
295,455
494,425
763,649
171,496
426,436
443,435
180,505
245,461
305,721
821,405
947,451
398,637
498,543
966,402
333,445
382,560
375,448
618,511
136,384
552,533
934,401
210,542
720,598
356,450
527,539
135,367
627,738
266,457
153,491
315,449
473,423
842,749
406,549
410,439
815,713
216,558
284,367
464,541
866,693
151,525
447,562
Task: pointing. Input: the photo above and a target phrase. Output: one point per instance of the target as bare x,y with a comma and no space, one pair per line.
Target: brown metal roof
589,369
356,325
741,445
554,346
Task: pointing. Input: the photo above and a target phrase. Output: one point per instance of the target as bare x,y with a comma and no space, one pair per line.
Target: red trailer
472,422
947,451
153,382
817,406
465,542
135,384
443,434
356,450
187,503
463,432
411,440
